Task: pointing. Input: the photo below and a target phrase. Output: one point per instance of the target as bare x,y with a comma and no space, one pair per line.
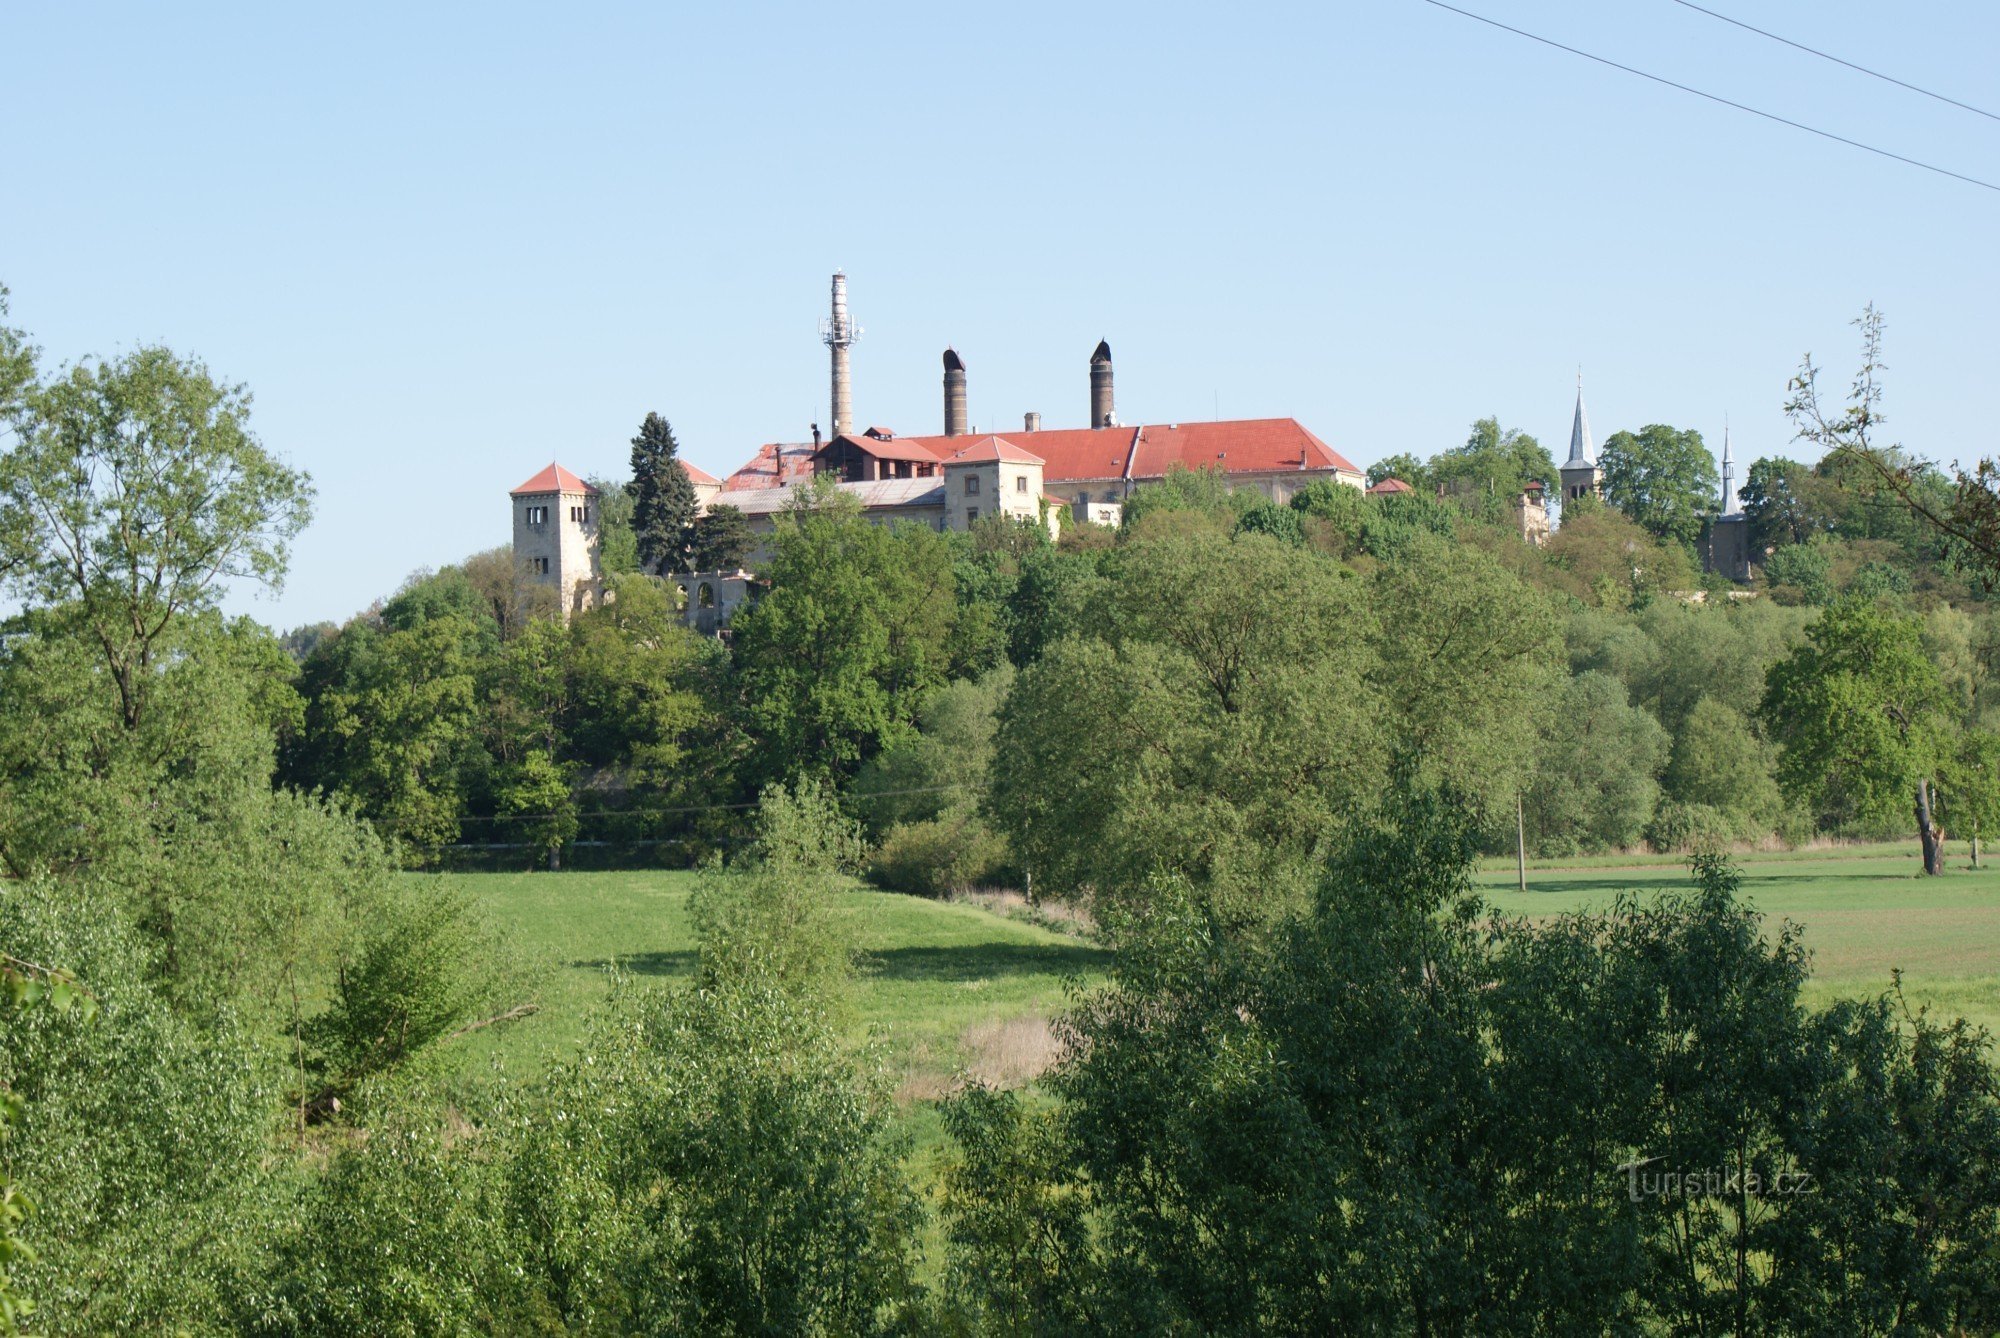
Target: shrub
1687,828
950,853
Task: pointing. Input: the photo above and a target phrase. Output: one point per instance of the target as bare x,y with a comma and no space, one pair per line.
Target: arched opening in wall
705,596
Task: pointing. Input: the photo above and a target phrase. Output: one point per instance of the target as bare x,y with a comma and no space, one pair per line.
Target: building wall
565,543
974,490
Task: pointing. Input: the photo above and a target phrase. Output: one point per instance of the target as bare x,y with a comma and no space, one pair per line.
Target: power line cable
1769,116
1823,55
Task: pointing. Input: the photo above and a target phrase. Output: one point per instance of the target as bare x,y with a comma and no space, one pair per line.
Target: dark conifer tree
663,500
723,540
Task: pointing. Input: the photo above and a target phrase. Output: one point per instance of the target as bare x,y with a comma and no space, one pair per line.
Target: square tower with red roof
555,542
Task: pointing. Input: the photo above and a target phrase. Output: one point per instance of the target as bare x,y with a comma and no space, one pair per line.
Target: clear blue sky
444,248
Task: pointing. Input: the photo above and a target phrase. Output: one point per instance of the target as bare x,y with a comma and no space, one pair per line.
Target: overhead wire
1716,98
1825,55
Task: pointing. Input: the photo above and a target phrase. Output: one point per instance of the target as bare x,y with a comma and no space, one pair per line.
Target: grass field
1865,911
942,985
946,986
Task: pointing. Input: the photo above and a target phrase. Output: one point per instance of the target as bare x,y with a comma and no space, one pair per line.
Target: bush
947,854
1688,828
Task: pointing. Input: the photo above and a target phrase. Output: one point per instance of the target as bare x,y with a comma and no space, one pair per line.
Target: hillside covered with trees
1325,1089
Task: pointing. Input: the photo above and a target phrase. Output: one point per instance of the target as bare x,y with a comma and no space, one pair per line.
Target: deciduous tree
1860,715
1663,478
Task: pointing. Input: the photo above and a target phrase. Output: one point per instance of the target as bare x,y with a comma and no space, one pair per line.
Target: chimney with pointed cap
954,394
1102,411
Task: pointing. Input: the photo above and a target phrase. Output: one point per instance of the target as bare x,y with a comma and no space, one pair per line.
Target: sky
445,245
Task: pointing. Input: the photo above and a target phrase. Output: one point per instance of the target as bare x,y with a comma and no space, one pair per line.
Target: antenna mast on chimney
839,333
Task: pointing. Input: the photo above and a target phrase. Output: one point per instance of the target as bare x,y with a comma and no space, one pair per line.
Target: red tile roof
698,476
1241,446
890,448
1389,486
553,479
995,448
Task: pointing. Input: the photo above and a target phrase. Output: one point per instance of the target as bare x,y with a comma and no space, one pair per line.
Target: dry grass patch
1010,1052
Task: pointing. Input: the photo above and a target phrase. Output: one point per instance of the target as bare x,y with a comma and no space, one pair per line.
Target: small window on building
971,515
972,485
1020,483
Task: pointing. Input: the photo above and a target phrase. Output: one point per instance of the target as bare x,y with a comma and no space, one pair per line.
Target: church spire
1728,473
1581,452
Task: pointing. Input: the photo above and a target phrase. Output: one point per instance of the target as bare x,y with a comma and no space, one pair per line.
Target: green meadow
948,987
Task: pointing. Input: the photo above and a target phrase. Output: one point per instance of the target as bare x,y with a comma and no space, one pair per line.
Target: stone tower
555,543
1580,475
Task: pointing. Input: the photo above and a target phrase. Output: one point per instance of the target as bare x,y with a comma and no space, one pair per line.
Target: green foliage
1395,523
1019,1254
427,966
1612,562
617,540
1786,502
833,663
1490,470
663,499
390,725
1663,478
134,491
1466,653
1214,730
401,1235
1858,713
1203,492
1403,466
943,764
1721,765
1270,518
1801,574
1597,783
955,851
723,540
138,1127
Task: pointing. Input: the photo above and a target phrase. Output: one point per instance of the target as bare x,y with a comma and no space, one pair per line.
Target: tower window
972,485
538,515
971,515
1020,483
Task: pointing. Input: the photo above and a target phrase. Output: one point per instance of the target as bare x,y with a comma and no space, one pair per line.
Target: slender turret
839,333
1728,476
1102,411
954,394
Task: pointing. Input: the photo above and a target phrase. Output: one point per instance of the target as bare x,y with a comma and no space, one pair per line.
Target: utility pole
1520,843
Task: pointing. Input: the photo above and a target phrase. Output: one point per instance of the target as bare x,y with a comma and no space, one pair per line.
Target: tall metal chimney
1102,414
954,394
839,333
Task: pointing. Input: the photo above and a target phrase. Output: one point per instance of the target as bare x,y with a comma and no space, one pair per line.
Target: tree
1212,722
1596,784
135,491
617,544
1859,713
723,540
663,498
1403,466
1718,761
1663,478
1784,502
1493,467
833,663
